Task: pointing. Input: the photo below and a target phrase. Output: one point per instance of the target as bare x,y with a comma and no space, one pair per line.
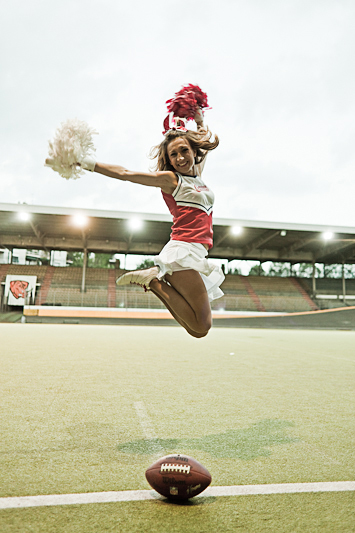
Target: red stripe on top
190,224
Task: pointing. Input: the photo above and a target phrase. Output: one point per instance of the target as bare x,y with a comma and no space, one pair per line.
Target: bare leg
177,318
186,298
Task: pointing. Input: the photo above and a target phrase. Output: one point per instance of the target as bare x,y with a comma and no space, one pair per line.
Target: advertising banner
20,289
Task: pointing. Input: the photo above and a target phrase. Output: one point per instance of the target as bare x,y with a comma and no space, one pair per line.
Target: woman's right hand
199,117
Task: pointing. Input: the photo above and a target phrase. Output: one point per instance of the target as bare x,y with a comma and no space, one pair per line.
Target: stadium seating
264,293
329,292
279,294
65,288
333,286
26,270
62,286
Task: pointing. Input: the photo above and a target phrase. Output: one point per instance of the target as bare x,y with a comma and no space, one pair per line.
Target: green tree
332,271
147,263
350,271
75,258
279,269
100,261
305,270
235,272
257,270
94,260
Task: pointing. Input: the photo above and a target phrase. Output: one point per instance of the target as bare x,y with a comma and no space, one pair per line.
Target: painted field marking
148,430
140,495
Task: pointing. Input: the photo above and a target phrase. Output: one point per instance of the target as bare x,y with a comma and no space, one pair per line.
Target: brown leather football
178,477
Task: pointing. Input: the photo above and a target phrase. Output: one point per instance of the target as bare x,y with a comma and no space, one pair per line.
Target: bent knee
198,335
204,329
206,325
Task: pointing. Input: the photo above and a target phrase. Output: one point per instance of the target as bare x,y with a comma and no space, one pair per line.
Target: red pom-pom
166,125
187,101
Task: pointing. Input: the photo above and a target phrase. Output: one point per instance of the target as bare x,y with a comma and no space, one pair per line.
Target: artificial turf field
88,408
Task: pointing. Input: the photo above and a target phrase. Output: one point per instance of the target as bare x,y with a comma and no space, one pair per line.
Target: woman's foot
139,277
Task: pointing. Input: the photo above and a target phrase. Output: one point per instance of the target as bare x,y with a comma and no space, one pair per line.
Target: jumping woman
182,278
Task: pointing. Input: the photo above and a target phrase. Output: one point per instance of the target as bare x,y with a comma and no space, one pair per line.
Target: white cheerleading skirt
180,255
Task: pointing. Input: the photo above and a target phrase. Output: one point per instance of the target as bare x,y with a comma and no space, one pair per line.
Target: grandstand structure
56,229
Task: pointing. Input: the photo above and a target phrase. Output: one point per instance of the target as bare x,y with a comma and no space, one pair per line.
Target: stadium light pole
80,221
314,288
83,278
343,280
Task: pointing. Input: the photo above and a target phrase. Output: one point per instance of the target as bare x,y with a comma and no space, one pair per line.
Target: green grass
254,406
314,513
11,316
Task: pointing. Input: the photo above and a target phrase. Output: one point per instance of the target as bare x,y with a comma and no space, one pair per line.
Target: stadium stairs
264,293
329,292
236,296
111,289
304,294
46,283
253,294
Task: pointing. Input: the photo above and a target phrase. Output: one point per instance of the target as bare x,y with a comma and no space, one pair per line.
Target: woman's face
181,156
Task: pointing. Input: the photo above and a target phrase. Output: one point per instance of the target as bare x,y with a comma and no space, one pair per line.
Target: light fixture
236,230
80,220
327,235
283,233
135,224
24,216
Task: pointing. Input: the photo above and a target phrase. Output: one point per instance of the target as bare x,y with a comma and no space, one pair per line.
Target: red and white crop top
191,205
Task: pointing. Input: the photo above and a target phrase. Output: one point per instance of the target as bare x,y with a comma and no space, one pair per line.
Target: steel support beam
263,239
83,277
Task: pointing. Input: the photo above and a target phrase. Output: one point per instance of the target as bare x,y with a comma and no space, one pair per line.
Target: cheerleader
182,278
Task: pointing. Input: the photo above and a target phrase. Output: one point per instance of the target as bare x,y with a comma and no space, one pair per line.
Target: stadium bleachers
65,288
263,293
333,286
26,270
281,294
329,292
62,286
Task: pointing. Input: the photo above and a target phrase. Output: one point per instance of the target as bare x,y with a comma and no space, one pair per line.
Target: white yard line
148,430
140,495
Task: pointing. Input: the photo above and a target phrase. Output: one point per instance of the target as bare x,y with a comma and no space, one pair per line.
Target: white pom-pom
72,143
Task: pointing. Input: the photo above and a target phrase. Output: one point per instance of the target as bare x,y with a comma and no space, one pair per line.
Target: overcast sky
279,75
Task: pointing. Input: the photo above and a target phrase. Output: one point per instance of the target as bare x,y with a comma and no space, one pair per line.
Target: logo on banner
18,288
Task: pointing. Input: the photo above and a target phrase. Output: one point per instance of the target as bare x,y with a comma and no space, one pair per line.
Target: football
178,477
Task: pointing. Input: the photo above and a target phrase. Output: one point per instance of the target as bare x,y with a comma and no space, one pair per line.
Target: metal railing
135,299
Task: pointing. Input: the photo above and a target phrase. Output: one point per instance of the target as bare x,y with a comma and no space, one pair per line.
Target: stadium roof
53,228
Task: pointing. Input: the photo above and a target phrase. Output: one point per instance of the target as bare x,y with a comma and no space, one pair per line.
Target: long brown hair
199,141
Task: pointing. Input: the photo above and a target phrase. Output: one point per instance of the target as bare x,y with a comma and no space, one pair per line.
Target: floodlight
80,220
24,216
135,224
236,230
328,235
283,233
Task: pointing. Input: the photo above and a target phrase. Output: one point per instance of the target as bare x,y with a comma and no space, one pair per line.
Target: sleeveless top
191,206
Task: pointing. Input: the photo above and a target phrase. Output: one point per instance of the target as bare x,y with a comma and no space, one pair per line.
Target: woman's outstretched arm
166,181
201,128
